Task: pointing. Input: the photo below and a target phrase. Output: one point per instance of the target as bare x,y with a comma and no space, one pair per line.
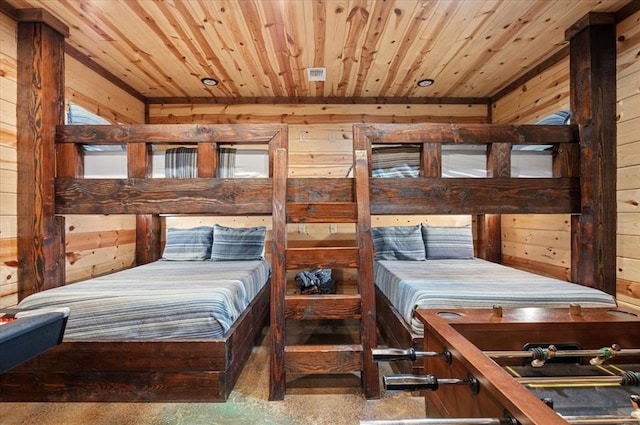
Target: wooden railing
498,193
140,194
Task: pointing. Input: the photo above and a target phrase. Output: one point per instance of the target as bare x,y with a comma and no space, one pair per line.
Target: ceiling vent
317,74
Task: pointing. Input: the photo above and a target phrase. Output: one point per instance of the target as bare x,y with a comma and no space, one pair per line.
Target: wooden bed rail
140,194
498,193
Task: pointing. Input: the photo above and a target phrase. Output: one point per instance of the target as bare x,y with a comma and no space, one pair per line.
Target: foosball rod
437,421
574,420
395,354
408,382
626,379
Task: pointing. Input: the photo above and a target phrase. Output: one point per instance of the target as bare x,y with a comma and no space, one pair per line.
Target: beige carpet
309,400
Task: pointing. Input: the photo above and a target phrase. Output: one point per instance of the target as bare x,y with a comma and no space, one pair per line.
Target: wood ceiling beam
319,100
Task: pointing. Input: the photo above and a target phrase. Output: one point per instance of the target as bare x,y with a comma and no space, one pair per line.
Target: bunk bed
187,355
448,267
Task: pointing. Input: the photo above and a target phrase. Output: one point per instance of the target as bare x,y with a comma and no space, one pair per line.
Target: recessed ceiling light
208,81
426,82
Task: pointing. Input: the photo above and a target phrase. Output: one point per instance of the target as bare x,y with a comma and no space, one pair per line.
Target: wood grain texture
370,49
40,107
478,330
142,371
593,55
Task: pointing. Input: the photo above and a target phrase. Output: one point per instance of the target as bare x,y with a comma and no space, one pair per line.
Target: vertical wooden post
40,108
431,160
147,225
366,286
489,226
489,237
207,159
593,108
277,376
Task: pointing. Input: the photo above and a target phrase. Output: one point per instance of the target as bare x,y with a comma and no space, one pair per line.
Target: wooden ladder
322,359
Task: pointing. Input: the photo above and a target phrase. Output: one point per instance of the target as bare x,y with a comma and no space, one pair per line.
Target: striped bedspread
475,283
160,300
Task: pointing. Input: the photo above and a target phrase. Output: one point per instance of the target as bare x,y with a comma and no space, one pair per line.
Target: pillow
398,243
448,242
243,243
557,118
188,244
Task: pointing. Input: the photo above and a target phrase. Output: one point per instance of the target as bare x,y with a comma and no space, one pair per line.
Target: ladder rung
322,359
325,257
311,307
322,212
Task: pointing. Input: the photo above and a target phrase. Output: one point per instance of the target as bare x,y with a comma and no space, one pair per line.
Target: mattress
160,300
474,283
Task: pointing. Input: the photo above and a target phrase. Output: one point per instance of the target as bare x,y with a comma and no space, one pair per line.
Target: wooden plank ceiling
370,48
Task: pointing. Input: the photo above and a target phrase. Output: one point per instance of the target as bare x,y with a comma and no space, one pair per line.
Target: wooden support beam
490,237
40,107
147,225
277,377
593,109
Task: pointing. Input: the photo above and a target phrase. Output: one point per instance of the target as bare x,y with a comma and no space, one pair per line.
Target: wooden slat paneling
370,48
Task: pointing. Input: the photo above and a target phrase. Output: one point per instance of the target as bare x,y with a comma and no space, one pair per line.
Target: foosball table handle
397,354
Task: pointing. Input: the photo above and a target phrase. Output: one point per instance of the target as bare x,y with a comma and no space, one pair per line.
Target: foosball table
524,366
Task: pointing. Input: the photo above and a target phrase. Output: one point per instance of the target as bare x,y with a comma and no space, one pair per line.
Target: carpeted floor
310,400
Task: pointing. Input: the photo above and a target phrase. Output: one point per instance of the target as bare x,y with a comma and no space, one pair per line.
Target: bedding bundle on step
316,281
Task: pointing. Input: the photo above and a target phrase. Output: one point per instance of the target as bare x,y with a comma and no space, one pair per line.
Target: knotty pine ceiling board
370,48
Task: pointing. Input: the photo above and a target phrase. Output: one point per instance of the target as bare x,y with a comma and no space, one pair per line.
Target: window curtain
181,163
226,162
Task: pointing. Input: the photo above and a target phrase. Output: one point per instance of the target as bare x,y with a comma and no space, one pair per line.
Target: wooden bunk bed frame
583,183
160,370
584,169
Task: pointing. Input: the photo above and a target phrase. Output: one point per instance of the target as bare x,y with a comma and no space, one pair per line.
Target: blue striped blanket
160,300
474,283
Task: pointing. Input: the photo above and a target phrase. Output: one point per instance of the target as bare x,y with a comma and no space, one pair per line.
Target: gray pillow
242,243
398,243
442,242
188,244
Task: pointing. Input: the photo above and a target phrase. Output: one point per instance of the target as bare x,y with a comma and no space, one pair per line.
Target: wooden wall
628,155
320,145
8,162
95,244
542,243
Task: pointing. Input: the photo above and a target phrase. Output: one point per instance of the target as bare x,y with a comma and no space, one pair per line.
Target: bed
434,267
474,283
160,339
186,300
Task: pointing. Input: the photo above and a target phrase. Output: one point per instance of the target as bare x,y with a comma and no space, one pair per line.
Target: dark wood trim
626,11
489,228
43,16
364,241
9,10
40,107
589,20
148,229
320,100
593,108
277,375
168,133
536,70
98,69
